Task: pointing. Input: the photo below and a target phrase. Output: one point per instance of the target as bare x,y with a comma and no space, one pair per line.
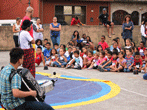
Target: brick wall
95,32
11,9
45,9
49,10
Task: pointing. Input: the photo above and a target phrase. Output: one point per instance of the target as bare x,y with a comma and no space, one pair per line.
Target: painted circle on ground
70,91
76,91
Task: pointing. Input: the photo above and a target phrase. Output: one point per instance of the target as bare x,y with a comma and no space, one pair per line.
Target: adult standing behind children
11,95
104,19
39,29
55,28
127,26
16,30
29,15
25,43
144,31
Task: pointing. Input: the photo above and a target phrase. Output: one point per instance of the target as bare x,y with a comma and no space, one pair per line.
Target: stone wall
95,32
129,7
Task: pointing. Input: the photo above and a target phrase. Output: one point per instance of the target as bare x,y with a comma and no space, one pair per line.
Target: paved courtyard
133,95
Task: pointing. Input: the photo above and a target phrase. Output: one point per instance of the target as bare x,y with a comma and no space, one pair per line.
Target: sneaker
102,70
45,67
68,67
109,36
142,71
79,68
99,67
135,72
52,64
95,67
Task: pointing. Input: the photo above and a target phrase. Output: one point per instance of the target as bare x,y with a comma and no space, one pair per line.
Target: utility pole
29,2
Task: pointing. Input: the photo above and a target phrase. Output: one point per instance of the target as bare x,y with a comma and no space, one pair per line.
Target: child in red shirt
39,57
103,43
88,60
83,54
141,50
137,62
113,67
75,21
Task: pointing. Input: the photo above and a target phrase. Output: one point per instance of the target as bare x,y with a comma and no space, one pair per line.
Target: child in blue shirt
61,60
47,54
56,46
129,60
76,62
68,53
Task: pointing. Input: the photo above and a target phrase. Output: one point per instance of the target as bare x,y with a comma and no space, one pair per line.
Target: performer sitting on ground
11,95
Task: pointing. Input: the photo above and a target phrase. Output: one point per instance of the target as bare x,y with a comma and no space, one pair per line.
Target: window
144,16
135,17
66,13
118,17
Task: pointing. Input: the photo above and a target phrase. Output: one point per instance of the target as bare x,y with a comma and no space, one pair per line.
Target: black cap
26,24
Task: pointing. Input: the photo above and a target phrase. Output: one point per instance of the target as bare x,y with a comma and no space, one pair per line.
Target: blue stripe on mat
105,90
73,77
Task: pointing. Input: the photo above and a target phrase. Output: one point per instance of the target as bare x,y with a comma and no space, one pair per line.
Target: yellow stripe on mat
115,90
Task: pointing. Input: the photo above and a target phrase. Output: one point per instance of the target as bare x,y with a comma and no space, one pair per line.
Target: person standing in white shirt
38,30
26,42
16,30
144,31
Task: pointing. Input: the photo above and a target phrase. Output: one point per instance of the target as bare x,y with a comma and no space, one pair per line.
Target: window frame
72,14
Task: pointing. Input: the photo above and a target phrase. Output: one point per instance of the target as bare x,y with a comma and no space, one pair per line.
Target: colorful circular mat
72,91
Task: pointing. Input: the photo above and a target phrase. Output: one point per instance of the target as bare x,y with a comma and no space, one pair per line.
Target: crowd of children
102,57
